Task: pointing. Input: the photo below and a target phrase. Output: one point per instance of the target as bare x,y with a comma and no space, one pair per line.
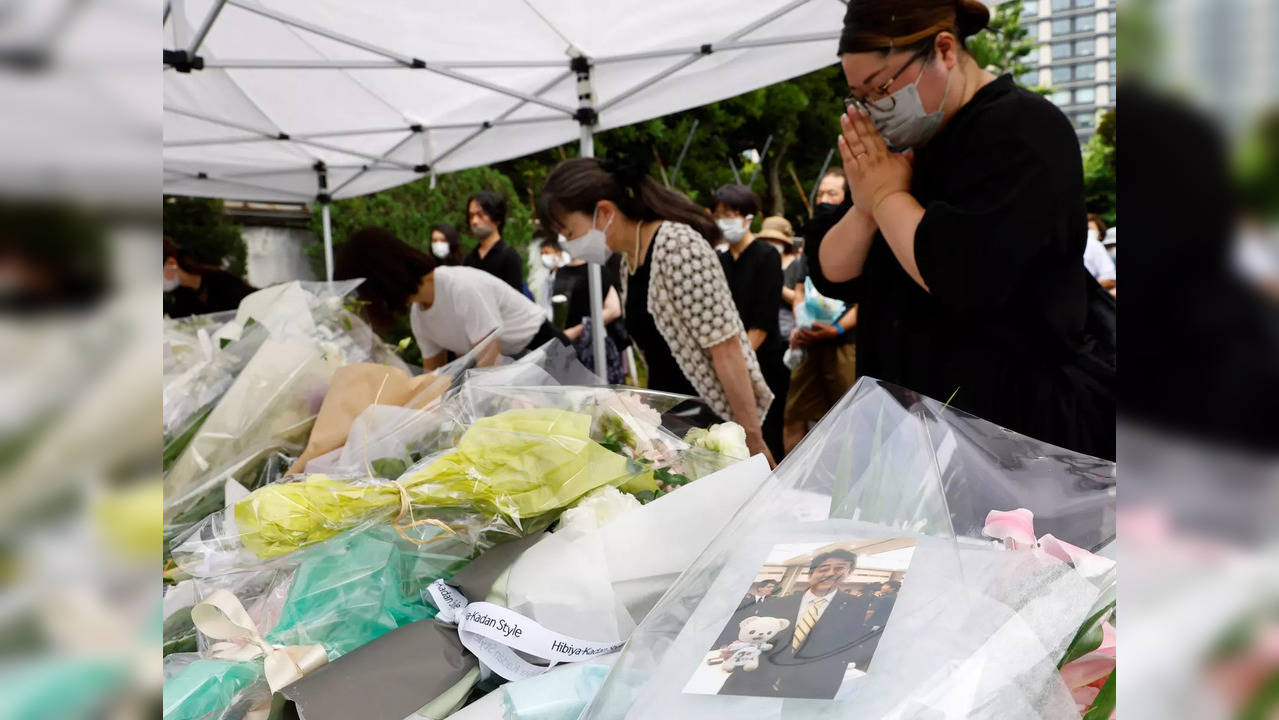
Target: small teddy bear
752,641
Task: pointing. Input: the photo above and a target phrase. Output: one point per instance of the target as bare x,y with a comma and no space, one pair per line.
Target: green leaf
1088,638
388,467
1104,705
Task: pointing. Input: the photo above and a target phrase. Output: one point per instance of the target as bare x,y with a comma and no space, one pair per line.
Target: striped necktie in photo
806,623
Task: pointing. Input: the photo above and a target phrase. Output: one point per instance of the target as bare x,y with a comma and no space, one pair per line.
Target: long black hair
492,203
392,270
455,244
579,184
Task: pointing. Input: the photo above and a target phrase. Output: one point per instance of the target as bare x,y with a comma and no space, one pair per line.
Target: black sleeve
511,270
824,218
1020,205
760,313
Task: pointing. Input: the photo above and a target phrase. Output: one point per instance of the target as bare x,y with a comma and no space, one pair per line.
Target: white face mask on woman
550,261
440,248
734,229
907,125
592,245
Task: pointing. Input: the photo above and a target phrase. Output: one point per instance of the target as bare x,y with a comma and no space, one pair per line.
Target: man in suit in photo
827,631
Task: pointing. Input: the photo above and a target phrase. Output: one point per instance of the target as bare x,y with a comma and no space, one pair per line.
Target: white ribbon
222,617
493,633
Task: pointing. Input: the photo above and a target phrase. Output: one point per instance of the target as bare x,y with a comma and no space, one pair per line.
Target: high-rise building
1076,58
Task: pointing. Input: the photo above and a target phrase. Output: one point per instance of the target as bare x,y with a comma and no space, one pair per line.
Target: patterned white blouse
692,306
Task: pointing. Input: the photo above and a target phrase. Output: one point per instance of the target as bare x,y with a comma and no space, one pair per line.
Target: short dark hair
548,241
837,553
739,198
896,586
492,203
392,269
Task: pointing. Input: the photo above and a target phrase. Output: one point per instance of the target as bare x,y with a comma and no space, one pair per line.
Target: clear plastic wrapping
976,630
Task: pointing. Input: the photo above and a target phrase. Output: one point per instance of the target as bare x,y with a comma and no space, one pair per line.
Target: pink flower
1015,527
1085,676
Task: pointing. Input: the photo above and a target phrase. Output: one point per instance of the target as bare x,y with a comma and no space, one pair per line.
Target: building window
1062,27
1030,8
1085,48
1085,96
1061,74
1062,4
1113,20
1085,120
1085,23
1029,79
1061,97
1085,71
1061,50
1112,68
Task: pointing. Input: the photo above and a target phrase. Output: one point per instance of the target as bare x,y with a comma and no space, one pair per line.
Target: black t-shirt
755,279
502,261
663,372
218,291
1000,247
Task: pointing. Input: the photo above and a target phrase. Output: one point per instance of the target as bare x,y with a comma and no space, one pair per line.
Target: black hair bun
626,171
971,17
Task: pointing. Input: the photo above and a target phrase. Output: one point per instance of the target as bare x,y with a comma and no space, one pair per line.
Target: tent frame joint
183,61
323,198
706,49
587,116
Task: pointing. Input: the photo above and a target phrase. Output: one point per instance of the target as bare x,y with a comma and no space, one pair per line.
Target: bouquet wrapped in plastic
862,580
265,628
489,460
817,308
252,388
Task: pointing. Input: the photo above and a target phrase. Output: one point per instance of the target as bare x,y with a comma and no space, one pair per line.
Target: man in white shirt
827,632
456,307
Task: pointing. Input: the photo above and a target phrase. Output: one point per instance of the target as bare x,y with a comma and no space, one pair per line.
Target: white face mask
550,262
734,229
482,232
440,248
906,125
171,285
591,246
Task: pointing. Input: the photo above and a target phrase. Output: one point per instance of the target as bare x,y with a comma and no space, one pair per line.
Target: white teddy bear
752,641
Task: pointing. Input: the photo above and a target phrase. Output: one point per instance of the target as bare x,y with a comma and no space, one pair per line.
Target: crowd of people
954,231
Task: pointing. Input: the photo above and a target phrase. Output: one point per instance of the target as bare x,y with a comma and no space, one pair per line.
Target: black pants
544,334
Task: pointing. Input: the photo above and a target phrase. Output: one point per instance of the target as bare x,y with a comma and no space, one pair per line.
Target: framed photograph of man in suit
809,622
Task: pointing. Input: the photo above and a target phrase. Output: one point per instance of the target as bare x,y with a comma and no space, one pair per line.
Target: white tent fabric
383,92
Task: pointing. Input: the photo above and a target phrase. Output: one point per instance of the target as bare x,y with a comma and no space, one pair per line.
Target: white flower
597,509
725,438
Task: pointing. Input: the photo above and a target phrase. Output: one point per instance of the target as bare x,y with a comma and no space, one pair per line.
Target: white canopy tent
315,100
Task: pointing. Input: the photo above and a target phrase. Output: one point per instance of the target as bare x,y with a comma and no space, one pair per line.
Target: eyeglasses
879,98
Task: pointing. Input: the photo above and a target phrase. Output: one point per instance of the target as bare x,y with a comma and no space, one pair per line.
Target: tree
199,227
1099,170
1005,46
411,210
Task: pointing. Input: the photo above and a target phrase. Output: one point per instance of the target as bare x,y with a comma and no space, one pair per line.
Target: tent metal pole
380,160
812,196
205,26
328,242
683,151
178,9
721,47
736,178
323,196
587,118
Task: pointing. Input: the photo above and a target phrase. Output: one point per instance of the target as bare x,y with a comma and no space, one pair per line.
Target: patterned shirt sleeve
700,292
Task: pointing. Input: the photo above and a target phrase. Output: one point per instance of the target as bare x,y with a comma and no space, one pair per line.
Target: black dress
502,261
663,372
1000,246
755,279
